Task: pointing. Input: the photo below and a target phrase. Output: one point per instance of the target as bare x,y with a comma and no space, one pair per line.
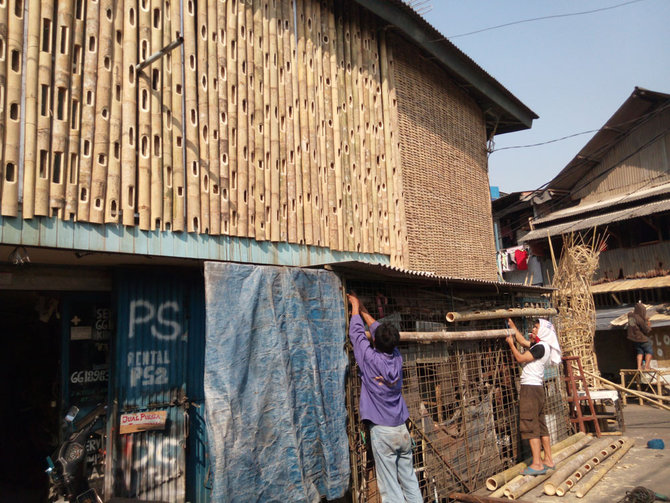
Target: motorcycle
69,467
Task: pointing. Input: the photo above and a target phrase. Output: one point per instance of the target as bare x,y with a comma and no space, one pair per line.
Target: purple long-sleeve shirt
381,375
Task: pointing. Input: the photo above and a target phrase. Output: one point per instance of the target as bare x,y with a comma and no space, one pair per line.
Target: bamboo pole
380,131
578,474
594,477
91,41
528,482
498,480
275,183
30,126
294,122
472,498
315,188
232,48
155,75
242,123
258,123
113,183
355,127
13,91
3,87
267,143
368,141
344,84
192,154
203,84
251,130
501,490
144,164
336,145
496,314
626,390
167,189
372,168
222,122
103,97
560,474
425,337
321,159
129,113
213,120
177,93
305,200
281,121
290,115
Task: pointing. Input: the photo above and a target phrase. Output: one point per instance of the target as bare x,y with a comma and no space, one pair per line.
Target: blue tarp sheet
274,384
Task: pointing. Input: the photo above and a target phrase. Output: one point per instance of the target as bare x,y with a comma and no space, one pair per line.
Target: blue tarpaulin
274,384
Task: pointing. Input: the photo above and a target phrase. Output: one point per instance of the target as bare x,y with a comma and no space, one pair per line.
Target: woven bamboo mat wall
445,174
275,120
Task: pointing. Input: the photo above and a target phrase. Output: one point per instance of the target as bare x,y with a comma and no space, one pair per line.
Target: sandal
547,467
533,471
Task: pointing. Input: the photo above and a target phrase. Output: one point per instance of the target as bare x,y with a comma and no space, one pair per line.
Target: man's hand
510,340
511,324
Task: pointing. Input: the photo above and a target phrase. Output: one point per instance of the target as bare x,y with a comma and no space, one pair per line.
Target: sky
574,72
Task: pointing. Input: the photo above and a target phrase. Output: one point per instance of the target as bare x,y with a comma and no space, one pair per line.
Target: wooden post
213,83
14,56
103,101
129,113
192,146
113,184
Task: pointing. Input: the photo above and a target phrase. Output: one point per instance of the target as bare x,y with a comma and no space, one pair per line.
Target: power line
545,17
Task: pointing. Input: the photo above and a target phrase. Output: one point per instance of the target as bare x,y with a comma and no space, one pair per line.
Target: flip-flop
547,467
533,471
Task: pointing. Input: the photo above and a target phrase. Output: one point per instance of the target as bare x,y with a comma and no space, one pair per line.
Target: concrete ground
641,466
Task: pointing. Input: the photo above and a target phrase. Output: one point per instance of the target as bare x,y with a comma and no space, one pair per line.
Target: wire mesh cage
462,395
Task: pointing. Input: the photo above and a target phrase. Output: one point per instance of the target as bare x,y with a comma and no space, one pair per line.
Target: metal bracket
172,45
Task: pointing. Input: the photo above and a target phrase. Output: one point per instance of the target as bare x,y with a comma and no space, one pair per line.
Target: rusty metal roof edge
421,32
408,274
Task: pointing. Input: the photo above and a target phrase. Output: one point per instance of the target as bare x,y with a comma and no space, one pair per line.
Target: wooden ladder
575,399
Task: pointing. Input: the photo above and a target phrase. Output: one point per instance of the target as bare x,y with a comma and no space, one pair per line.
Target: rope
639,495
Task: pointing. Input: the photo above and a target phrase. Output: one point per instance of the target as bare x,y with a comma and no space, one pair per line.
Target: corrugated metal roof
512,114
604,203
366,270
596,221
617,318
640,103
622,285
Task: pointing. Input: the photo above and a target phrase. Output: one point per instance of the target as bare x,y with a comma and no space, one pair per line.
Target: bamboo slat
91,41
250,151
3,87
144,164
275,231
129,114
336,130
203,113
286,124
258,124
242,122
103,102
177,93
231,62
321,159
213,119
76,98
304,200
222,123
167,189
30,127
13,112
191,119
113,183
330,204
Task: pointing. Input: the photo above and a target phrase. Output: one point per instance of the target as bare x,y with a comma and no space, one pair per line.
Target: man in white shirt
542,348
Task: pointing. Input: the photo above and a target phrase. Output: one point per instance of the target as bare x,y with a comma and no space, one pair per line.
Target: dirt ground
641,466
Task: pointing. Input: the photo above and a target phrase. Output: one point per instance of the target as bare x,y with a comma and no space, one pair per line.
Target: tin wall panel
155,323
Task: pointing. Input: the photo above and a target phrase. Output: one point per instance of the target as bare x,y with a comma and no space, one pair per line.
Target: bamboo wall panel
274,120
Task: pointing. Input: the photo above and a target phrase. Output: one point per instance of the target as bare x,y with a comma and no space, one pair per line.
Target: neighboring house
288,133
618,184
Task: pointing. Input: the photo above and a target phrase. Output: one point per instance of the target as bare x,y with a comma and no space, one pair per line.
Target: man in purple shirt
382,405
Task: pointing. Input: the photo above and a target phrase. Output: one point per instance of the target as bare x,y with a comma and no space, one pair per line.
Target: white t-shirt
533,372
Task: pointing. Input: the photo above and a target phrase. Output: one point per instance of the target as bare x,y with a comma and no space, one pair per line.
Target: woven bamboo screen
276,119
445,174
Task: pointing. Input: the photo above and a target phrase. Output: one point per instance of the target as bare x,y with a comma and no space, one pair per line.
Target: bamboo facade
273,121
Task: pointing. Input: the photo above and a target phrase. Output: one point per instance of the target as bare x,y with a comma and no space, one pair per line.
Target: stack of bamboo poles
276,120
576,319
579,465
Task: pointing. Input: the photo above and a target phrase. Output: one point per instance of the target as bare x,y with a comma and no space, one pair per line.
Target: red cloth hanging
521,259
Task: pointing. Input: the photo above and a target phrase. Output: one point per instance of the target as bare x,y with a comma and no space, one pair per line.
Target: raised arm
518,335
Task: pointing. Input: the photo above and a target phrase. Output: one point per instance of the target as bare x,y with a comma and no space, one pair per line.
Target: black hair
387,338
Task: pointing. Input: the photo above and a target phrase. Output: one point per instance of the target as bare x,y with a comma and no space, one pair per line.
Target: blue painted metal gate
158,355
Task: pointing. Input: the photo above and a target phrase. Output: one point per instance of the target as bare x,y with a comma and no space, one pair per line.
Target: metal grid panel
462,396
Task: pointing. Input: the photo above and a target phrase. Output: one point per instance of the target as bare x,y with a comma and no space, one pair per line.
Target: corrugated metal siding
641,159
633,260
155,324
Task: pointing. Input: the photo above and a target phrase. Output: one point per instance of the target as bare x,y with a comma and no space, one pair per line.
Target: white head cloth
547,334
